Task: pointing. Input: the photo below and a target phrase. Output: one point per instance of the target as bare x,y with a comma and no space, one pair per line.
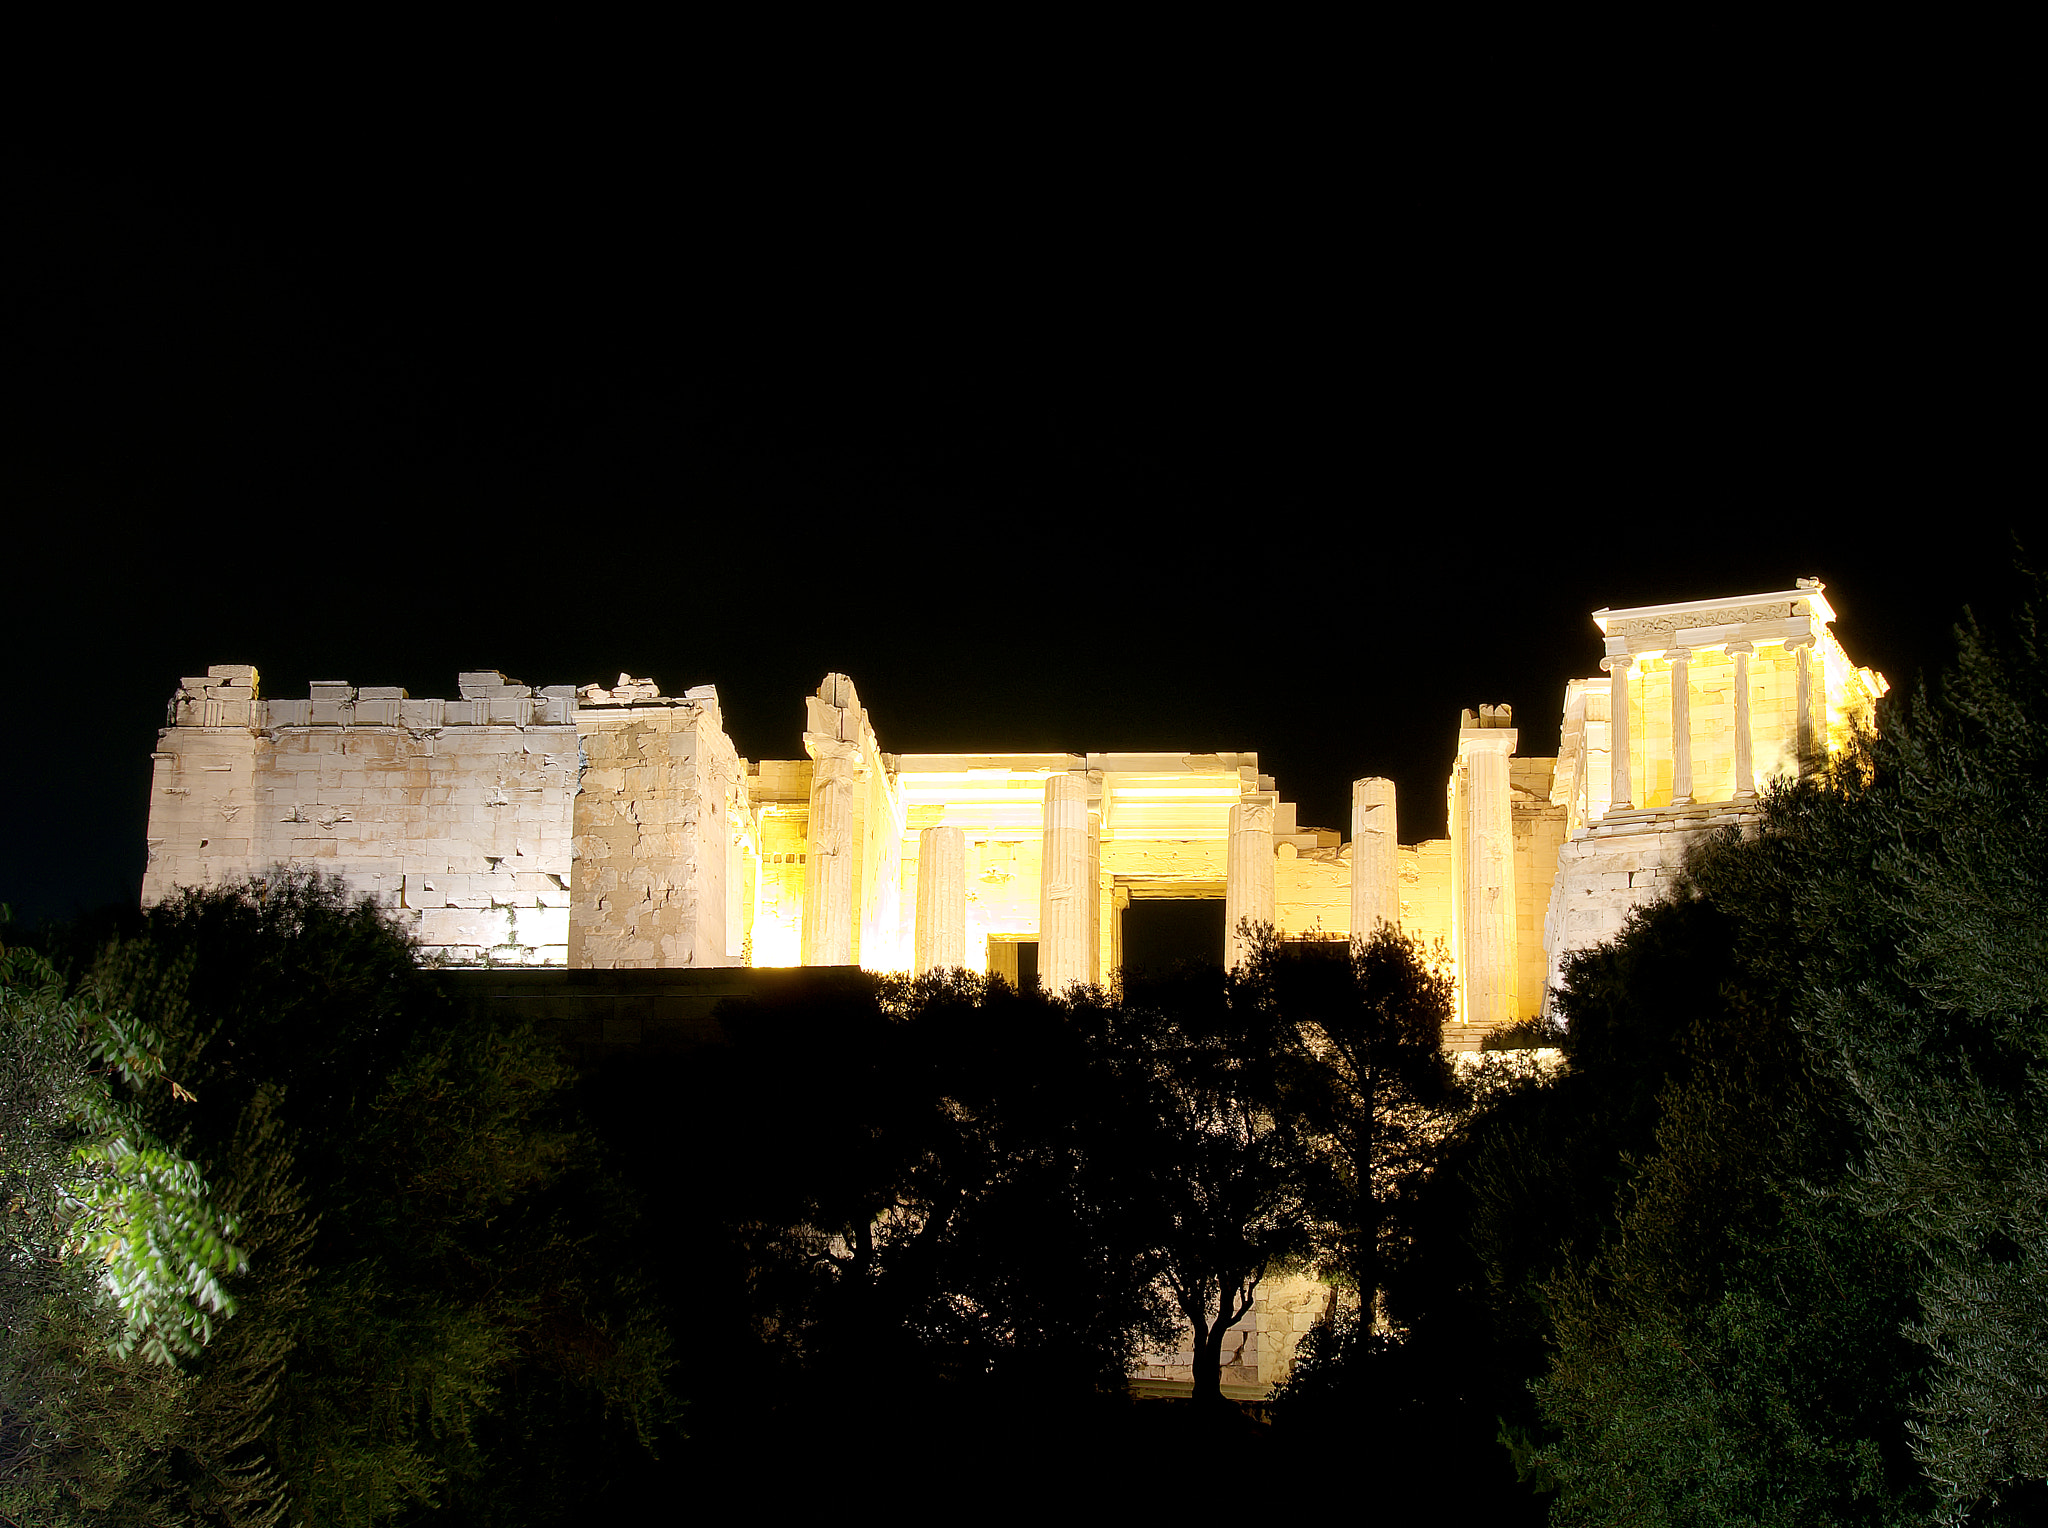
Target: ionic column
829,853
1487,925
1619,797
1248,874
1681,725
1745,747
1375,858
941,900
1809,742
1065,885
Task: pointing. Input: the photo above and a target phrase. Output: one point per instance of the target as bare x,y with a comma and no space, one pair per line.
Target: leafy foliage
1809,1089
439,1287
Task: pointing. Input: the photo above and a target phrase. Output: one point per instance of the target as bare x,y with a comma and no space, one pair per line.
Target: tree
114,1253
1363,1068
907,1173
1931,1009
1210,1164
445,1289
1819,1298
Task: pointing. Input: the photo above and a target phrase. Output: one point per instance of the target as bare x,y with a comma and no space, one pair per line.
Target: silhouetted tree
1363,1068
1214,1170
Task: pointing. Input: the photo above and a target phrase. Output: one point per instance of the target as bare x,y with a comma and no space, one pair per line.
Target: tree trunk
1368,1270
1209,1335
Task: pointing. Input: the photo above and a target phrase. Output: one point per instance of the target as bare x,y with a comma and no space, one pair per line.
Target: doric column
1486,925
1745,746
1681,725
1375,858
1106,924
829,853
1095,898
1620,797
941,899
1248,874
1065,886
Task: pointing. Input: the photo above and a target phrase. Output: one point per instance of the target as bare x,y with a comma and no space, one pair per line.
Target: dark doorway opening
1014,960
1161,932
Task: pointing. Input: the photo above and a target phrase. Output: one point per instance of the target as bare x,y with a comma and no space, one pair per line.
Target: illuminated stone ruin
618,827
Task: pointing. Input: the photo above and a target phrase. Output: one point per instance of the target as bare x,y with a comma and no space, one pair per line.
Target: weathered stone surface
1482,837
1375,857
1248,889
1066,886
608,825
941,899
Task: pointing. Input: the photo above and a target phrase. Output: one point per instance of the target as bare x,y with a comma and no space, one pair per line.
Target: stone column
1809,741
1106,924
1095,898
1375,858
1620,796
829,853
1248,874
1681,725
1486,927
941,900
1066,882
1745,746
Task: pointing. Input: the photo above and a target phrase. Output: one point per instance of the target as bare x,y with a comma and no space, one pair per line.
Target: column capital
1678,654
1798,644
1620,663
1738,649
822,748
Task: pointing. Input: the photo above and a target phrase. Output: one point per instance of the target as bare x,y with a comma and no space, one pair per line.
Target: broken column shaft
1248,884
1375,857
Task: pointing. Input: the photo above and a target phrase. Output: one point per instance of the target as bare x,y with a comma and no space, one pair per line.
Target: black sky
1144,448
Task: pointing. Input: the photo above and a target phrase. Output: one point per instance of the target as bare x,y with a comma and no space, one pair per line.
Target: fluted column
1620,797
1486,926
941,899
1095,898
1248,874
1681,725
829,853
1375,858
1065,886
1745,746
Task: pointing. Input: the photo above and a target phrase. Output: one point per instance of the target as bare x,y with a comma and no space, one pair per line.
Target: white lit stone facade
615,827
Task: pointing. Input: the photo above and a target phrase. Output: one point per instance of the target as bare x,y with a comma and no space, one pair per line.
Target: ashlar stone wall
663,832
454,814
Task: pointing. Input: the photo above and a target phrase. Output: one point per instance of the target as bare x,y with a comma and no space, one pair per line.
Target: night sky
1143,451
